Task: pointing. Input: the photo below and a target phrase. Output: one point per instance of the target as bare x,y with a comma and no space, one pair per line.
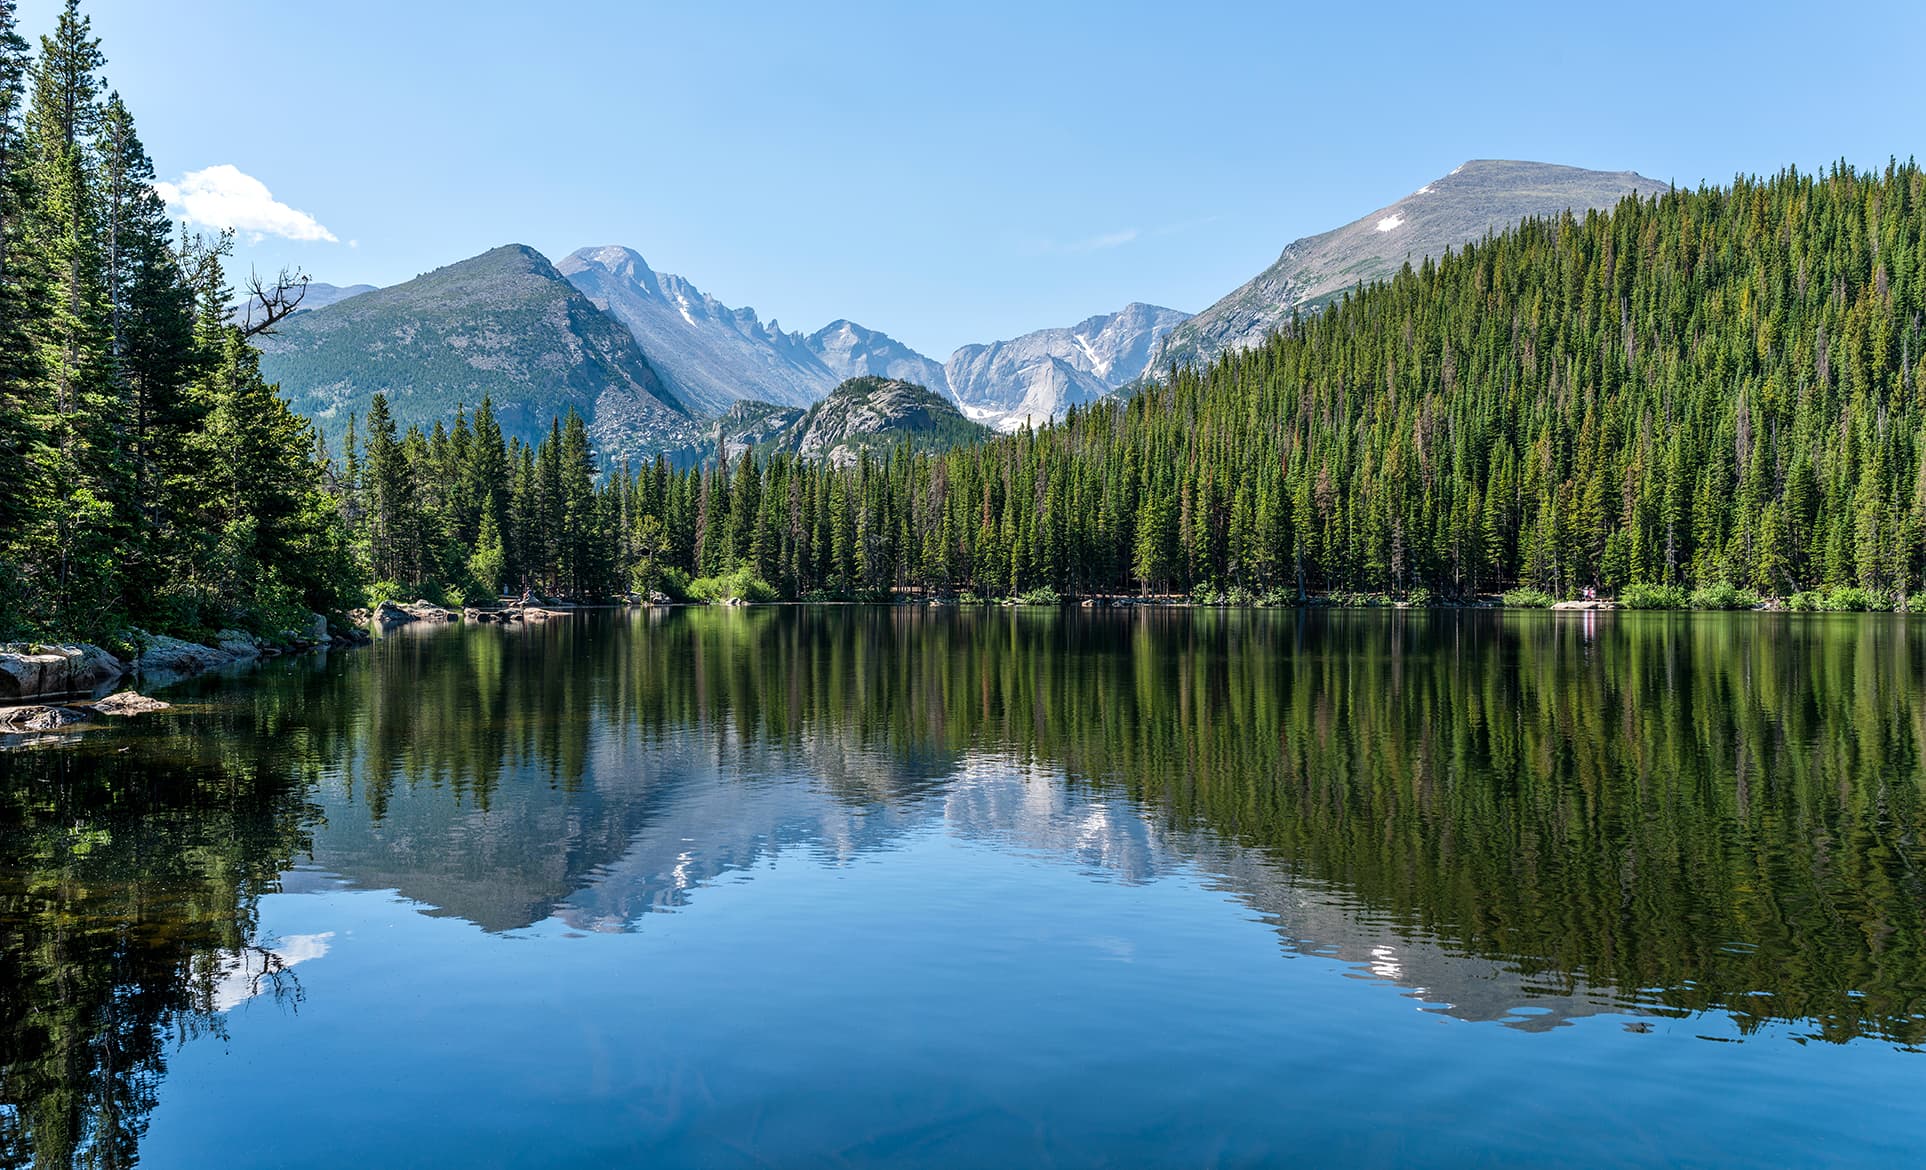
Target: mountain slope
1036,377
709,354
847,350
1483,195
504,324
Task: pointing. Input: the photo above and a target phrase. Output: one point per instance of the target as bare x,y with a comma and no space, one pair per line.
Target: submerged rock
129,703
41,718
32,671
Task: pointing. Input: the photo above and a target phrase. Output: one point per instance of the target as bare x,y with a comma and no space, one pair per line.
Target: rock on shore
29,671
168,659
388,615
37,671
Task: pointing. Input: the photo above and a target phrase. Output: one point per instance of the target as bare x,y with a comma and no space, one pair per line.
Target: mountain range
1036,377
1480,197
712,355
504,325
648,357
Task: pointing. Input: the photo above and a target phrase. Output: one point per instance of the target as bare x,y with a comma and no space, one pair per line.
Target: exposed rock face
875,414
129,703
1484,195
849,350
709,354
32,671
712,356
1032,379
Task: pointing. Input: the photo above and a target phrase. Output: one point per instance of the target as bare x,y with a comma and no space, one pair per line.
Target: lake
846,886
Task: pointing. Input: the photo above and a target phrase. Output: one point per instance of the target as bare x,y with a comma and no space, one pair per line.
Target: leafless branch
272,303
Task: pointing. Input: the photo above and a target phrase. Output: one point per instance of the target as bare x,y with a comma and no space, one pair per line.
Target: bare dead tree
268,304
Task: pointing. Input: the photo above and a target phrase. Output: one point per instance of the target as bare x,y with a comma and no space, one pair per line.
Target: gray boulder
129,703
388,615
238,644
30,671
166,659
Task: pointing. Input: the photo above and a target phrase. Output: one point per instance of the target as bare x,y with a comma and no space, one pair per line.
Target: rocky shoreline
49,685
389,614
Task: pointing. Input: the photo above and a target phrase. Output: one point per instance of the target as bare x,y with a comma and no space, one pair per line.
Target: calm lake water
848,886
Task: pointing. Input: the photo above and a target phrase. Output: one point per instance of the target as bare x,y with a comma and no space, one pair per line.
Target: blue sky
951,173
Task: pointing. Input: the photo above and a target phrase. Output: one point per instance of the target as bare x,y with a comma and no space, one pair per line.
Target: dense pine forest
1716,390
148,475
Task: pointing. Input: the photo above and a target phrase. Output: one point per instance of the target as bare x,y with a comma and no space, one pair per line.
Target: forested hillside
1703,388
148,474
1714,386
1477,198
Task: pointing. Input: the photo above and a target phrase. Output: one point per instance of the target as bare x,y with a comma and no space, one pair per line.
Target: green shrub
1359,600
740,582
1643,596
1420,596
1723,596
1041,595
1851,599
1277,598
1526,597
380,591
1206,595
1840,599
1916,603
1240,595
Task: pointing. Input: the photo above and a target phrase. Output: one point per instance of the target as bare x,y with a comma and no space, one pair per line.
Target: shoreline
51,684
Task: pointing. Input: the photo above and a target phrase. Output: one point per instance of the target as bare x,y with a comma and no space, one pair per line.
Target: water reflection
1518,818
1681,811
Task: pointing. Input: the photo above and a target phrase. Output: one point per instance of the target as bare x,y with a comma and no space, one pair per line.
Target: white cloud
225,196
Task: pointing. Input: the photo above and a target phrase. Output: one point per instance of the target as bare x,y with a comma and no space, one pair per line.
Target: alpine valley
655,365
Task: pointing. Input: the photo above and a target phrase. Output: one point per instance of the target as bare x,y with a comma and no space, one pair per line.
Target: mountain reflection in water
1521,818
